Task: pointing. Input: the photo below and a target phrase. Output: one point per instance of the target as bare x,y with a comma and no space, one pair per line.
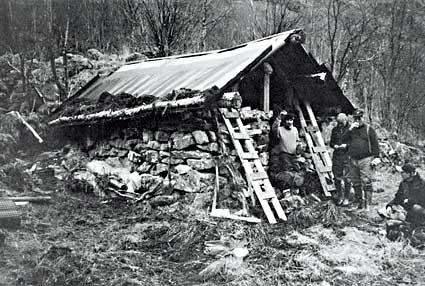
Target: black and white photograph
212,142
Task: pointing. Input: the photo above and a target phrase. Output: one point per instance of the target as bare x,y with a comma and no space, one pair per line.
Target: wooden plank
259,176
241,136
316,159
278,207
225,213
253,132
264,204
231,114
255,179
249,156
319,137
266,102
325,169
312,129
319,149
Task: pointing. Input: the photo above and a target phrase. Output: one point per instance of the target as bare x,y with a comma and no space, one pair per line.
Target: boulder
162,136
155,145
200,137
147,135
212,136
140,148
181,169
183,142
201,164
189,182
159,169
191,155
144,168
94,54
212,147
132,143
174,161
152,156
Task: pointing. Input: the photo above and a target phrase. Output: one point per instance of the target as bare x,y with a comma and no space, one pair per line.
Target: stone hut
161,115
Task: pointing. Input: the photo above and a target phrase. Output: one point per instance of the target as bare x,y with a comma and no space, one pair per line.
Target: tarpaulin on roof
158,77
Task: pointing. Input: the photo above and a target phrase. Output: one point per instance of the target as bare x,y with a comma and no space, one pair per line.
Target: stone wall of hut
182,149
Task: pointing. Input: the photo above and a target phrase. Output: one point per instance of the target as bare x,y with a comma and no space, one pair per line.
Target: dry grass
78,241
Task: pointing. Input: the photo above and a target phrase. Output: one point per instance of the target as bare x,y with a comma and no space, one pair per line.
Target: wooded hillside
375,49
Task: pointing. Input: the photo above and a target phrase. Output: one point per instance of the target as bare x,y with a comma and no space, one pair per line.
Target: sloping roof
200,71
158,77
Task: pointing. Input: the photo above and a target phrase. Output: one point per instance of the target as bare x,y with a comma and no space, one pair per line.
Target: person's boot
339,197
368,190
359,197
347,190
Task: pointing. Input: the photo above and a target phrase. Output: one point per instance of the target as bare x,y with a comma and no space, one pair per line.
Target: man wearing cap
410,196
286,167
363,149
340,160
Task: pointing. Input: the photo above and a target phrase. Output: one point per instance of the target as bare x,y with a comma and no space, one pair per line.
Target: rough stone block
132,143
144,168
200,137
181,169
164,147
147,135
212,136
154,145
191,155
174,161
159,169
189,182
203,164
183,142
152,156
162,136
140,148
212,147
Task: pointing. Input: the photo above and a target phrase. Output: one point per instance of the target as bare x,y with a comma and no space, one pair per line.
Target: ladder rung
331,188
249,156
231,114
259,176
241,136
319,149
268,195
324,169
312,128
254,132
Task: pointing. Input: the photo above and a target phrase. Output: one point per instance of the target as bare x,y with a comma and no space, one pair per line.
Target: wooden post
268,70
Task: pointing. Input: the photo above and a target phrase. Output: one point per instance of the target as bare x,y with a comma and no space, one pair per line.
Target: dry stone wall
182,150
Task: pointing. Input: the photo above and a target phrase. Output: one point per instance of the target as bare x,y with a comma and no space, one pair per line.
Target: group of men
356,154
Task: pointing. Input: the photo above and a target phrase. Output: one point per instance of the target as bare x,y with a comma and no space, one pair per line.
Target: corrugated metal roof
158,77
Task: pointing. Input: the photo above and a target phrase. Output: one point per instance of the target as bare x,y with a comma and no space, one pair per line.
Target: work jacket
337,138
363,142
410,191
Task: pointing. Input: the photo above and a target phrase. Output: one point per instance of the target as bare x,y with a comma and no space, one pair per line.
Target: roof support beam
268,70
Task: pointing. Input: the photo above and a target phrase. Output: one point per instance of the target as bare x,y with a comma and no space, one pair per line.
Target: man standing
340,160
284,166
363,149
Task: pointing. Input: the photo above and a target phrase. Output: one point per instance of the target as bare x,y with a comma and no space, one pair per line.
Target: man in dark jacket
340,160
410,195
364,155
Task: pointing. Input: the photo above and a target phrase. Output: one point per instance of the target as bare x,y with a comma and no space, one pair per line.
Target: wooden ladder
321,158
255,173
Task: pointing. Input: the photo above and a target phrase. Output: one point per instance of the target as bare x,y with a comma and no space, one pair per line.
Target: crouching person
408,205
285,166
